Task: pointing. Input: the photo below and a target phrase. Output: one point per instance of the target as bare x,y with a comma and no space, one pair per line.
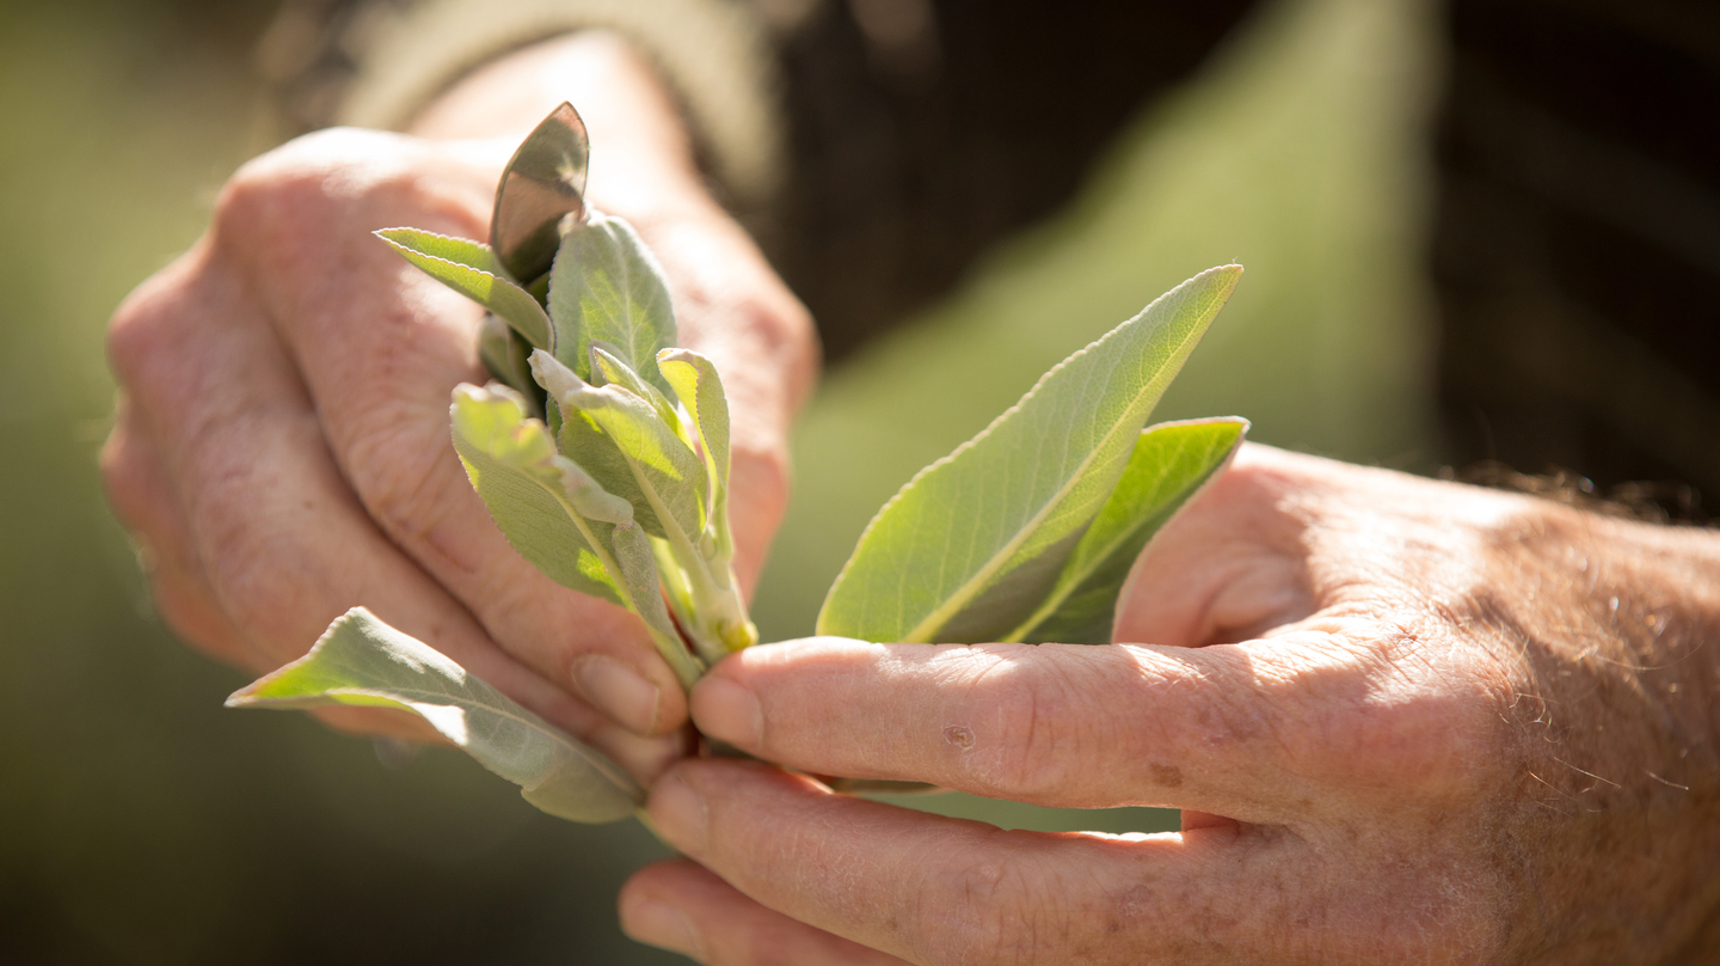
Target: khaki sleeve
715,54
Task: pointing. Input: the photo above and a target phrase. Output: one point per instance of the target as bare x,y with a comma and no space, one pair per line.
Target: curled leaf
362,661
542,189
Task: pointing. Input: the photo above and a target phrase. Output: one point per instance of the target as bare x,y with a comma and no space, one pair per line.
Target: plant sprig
602,454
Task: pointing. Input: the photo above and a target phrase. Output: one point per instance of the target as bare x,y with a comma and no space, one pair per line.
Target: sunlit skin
1407,721
282,446
1454,726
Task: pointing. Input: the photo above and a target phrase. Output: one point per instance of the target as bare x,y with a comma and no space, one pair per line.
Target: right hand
282,453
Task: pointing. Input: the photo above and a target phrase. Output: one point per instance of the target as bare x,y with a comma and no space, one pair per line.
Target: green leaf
362,661
555,515
503,354
639,570
470,268
973,544
541,191
695,381
606,286
1171,463
663,478
606,363
580,439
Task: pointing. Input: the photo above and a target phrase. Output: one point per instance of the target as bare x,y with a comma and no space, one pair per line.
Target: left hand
1456,726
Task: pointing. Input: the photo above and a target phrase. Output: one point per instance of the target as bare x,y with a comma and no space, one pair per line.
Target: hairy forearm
1620,734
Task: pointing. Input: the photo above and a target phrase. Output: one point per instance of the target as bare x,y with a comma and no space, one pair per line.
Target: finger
681,907
937,890
143,499
1229,567
1054,724
285,546
379,357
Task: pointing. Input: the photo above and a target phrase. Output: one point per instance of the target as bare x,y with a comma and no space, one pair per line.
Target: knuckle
297,195
1012,731
1399,710
148,329
125,478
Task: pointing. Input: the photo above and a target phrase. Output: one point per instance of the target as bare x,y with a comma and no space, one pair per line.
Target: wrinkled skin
1405,720
1454,726
282,448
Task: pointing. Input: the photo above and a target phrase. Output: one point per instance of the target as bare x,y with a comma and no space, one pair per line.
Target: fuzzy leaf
972,545
471,269
606,363
580,439
541,191
669,474
555,515
606,286
695,381
639,571
1171,463
503,353
362,661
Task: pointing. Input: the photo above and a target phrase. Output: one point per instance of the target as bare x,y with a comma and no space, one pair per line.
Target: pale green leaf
639,569
695,382
606,286
469,267
606,366
362,661
503,353
1171,463
580,439
555,515
973,544
669,476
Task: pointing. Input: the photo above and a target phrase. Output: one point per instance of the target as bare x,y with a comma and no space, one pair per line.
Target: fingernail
618,691
728,712
664,926
679,815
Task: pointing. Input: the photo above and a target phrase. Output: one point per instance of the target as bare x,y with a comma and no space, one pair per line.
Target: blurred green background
141,823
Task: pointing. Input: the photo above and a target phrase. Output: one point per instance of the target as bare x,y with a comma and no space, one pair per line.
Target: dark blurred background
142,823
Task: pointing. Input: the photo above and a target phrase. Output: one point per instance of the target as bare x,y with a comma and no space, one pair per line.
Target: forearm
1642,609
1617,716
644,159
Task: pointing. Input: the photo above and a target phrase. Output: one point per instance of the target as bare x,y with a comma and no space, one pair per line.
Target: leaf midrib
534,723
971,588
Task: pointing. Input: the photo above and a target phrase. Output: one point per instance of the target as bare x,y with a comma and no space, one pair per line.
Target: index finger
1283,730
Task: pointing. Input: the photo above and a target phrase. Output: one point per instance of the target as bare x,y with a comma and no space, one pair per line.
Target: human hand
282,447
1456,726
